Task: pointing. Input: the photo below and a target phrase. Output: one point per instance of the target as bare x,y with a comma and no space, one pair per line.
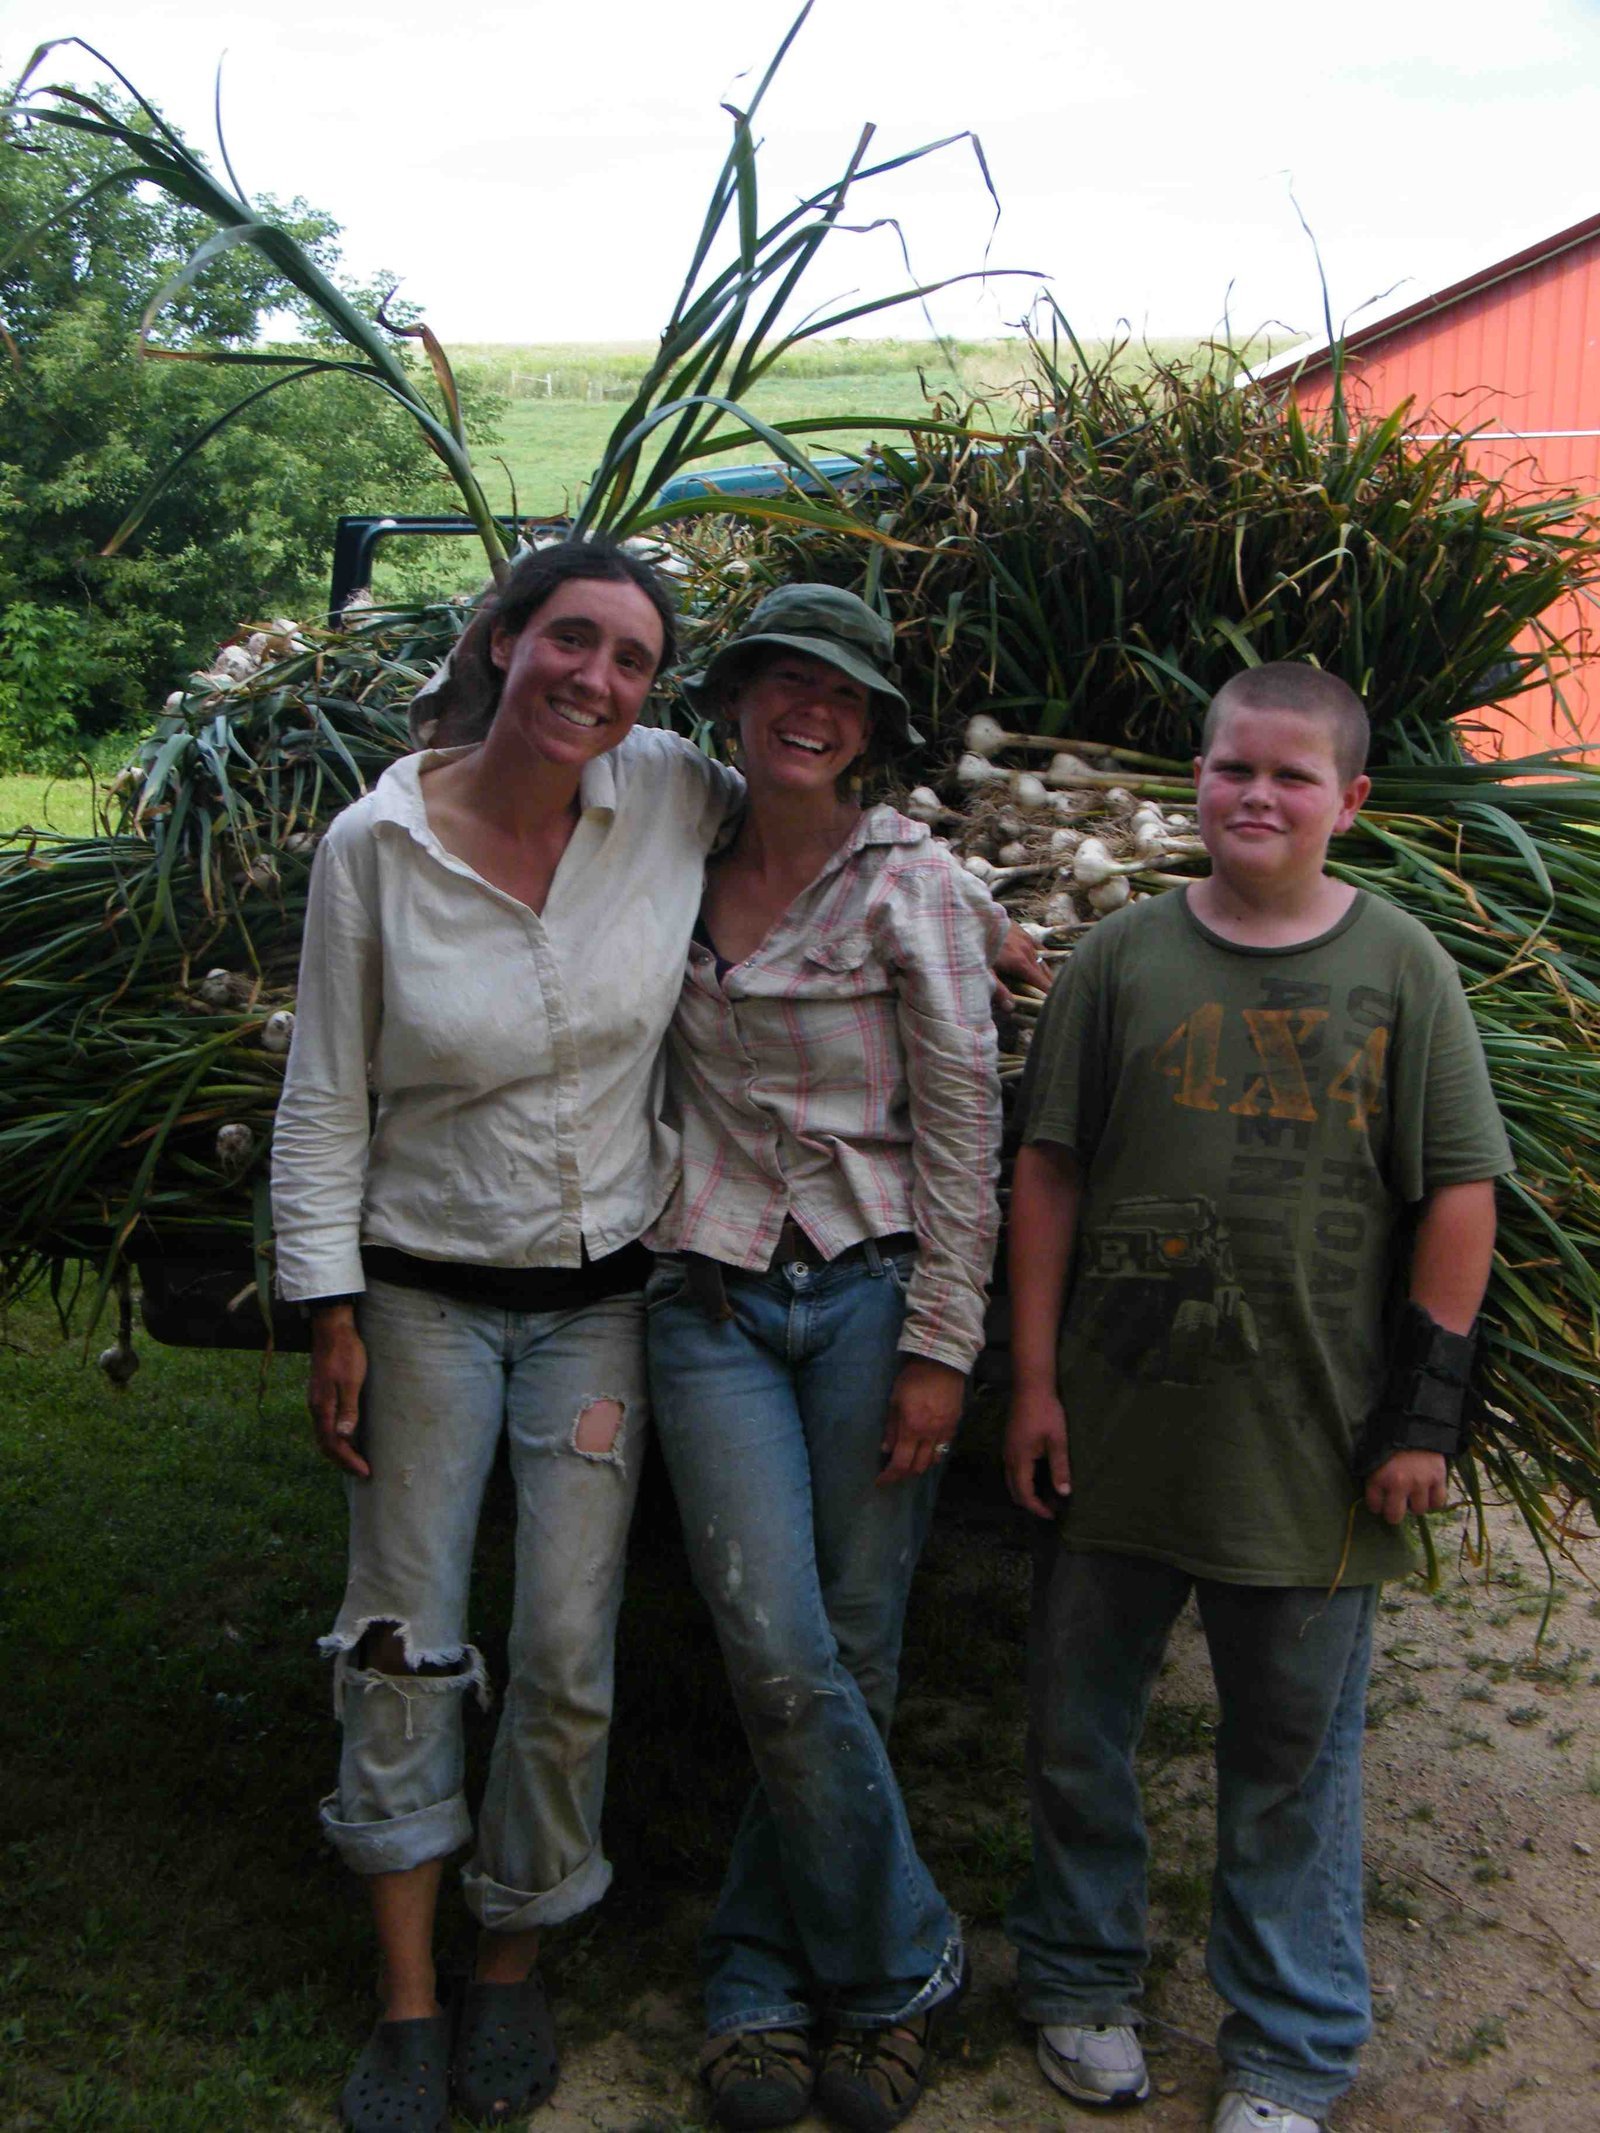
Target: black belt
513,1288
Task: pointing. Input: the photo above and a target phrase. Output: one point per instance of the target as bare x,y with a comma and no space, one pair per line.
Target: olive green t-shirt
1251,1125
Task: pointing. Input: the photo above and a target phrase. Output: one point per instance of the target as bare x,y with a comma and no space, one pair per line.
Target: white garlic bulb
278,1031
1093,864
216,988
924,804
235,1146
986,736
1066,770
978,770
1013,855
1029,790
1110,895
978,866
1061,911
118,1363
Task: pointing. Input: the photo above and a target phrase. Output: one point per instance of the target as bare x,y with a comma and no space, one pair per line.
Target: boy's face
1270,798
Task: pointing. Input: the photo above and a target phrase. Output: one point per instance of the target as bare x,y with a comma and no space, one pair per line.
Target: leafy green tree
86,422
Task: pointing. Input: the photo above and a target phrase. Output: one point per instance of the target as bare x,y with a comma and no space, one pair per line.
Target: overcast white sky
539,172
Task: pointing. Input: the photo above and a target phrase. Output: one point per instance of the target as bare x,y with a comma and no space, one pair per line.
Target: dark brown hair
464,705
1295,686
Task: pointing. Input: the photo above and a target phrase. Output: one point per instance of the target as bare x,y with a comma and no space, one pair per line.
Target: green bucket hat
830,624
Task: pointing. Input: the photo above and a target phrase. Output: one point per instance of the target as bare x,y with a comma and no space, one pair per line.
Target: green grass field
560,401
62,805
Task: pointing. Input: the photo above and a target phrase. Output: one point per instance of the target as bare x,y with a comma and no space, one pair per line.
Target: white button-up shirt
513,1055
846,1074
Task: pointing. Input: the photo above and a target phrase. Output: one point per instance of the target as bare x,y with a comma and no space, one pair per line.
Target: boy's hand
1406,1481
1037,1430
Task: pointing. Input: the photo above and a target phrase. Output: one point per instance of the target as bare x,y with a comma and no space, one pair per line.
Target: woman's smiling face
579,670
801,722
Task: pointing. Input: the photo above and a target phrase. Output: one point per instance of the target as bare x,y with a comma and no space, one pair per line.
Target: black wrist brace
1422,1407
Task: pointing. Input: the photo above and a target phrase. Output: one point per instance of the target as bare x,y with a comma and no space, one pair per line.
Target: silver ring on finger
941,1451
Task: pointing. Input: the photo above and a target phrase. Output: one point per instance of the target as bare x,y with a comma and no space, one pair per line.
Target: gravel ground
1483,1928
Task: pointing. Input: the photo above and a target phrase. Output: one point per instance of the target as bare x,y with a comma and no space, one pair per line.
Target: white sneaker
1239,2113
1099,2065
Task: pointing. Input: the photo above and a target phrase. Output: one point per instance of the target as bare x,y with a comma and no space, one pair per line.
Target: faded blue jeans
1285,1947
771,1423
443,1380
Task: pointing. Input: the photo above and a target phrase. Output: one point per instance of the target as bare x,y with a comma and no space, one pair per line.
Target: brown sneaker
758,2077
872,2078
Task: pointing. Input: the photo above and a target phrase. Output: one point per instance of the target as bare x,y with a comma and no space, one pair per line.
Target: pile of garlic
1060,849
236,663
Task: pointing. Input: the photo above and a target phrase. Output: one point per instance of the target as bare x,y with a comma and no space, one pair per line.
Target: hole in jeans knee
382,1651
597,1432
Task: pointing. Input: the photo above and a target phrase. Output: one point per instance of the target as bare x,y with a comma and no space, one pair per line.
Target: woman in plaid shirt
816,1307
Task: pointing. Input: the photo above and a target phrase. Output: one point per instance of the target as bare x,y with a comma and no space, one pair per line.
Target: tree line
90,645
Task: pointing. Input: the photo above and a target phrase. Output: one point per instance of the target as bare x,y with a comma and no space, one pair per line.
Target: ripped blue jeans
772,1422
444,1379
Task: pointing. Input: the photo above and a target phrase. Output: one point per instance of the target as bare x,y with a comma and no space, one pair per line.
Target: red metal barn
1511,353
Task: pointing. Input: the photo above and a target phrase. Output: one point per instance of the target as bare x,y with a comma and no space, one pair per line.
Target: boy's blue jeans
771,1424
444,1379
1285,1947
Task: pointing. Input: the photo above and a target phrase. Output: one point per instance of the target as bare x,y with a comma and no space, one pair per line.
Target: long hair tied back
456,706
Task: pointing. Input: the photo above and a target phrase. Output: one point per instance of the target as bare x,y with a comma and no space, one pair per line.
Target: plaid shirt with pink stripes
845,1074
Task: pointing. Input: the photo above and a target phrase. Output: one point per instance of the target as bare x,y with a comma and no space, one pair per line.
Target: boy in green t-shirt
1239,1096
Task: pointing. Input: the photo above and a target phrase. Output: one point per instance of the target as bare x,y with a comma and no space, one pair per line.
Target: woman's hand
338,1371
1020,962
924,1409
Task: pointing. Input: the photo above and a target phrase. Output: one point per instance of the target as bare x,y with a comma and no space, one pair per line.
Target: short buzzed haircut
1294,685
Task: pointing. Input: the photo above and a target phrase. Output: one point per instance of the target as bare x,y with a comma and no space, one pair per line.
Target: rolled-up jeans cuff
947,1979
787,2014
501,1910
1277,2086
400,1842
1046,2009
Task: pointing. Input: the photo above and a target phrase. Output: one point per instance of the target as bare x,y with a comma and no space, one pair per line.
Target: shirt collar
886,825
398,798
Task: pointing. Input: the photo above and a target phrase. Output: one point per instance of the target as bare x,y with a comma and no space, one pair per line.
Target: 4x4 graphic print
1163,1300
1286,1042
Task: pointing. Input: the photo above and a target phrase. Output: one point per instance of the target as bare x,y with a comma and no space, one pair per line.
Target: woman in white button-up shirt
494,945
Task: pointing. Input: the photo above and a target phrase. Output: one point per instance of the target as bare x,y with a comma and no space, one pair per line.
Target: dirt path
1483,1901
